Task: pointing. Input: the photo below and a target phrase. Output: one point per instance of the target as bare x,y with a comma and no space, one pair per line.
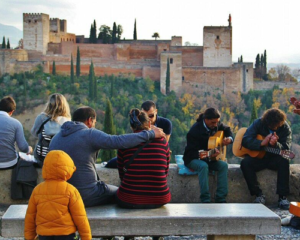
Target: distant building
202,68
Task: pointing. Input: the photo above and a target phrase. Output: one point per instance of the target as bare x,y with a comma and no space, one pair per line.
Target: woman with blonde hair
48,123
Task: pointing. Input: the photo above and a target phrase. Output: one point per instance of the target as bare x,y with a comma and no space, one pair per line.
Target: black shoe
260,199
283,203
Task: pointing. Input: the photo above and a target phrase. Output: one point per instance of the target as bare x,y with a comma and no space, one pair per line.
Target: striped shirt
145,181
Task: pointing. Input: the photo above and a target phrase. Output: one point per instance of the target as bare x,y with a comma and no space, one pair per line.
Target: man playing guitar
208,123
278,134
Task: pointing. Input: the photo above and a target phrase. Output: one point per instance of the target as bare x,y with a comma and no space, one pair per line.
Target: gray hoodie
83,143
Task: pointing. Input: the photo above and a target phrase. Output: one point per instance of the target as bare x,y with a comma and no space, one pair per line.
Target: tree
155,35
109,128
72,69
8,44
105,34
265,61
114,33
282,71
257,67
134,31
3,43
241,59
78,63
168,80
253,113
53,68
262,68
120,31
91,81
94,36
91,34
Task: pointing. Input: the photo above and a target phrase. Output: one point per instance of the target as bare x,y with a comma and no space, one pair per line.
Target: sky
257,25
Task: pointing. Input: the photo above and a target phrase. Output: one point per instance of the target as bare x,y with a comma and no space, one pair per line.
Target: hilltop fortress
206,68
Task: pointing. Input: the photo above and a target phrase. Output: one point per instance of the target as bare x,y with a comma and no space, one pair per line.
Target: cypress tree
91,81
262,68
94,32
134,31
109,128
8,44
253,113
91,33
72,69
95,89
78,63
265,61
53,68
114,33
112,80
241,58
3,43
168,77
257,67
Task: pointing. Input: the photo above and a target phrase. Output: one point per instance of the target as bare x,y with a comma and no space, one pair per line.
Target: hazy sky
257,24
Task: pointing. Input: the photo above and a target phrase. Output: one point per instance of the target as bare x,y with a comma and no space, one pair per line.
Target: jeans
250,166
202,168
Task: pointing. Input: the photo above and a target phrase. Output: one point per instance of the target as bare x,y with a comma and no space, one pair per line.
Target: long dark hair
209,113
273,117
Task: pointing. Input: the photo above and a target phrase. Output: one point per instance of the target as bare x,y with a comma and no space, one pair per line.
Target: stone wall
217,46
151,72
191,55
265,85
218,79
185,189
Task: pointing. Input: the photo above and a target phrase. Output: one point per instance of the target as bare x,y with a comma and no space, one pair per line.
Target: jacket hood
70,127
58,165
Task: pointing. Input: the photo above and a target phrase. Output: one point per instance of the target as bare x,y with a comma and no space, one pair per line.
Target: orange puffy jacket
55,206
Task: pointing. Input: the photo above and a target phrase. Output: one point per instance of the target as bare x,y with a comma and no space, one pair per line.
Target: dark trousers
61,237
250,166
122,204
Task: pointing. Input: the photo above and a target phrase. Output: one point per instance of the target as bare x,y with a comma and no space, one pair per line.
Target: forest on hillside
31,89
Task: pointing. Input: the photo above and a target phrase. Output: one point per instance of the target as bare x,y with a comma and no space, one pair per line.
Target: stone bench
217,221
185,189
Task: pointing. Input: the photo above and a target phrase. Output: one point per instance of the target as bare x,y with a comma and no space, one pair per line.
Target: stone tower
175,59
217,46
36,31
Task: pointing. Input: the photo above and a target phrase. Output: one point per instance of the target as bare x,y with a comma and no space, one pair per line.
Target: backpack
42,147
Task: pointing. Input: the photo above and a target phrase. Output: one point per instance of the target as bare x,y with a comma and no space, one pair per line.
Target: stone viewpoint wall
185,189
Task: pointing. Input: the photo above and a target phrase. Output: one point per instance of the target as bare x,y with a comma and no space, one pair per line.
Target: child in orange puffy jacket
55,209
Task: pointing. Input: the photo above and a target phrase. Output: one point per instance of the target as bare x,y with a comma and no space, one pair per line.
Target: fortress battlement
54,19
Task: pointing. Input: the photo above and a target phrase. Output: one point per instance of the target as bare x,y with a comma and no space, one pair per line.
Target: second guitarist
208,123
278,134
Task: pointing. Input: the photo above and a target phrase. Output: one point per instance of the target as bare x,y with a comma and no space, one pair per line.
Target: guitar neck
272,150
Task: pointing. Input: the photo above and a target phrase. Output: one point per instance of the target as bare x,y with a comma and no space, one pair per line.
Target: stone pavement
287,232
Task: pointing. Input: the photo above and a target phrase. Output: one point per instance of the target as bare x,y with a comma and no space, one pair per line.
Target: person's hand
217,152
29,150
266,141
227,141
159,133
274,139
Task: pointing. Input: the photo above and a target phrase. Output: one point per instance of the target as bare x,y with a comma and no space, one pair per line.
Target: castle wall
63,25
176,41
36,28
122,51
191,55
143,52
61,37
217,46
265,85
175,71
162,47
54,25
151,72
214,79
8,58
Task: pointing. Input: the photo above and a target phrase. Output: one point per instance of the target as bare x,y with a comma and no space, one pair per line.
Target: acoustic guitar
215,141
240,151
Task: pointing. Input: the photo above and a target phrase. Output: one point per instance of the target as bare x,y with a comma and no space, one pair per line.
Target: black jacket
197,139
258,127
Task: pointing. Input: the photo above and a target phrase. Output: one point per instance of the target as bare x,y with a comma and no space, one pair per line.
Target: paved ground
287,232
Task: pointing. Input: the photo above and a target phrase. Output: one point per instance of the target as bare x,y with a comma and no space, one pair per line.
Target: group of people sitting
142,161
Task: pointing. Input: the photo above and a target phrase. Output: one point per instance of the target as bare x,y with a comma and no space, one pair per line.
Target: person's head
149,108
274,118
138,120
57,105
211,117
87,115
8,104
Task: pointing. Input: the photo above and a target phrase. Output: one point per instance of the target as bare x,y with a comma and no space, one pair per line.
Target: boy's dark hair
273,117
147,105
7,104
84,113
210,113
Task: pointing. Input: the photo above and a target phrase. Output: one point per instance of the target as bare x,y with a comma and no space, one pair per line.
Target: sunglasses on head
151,115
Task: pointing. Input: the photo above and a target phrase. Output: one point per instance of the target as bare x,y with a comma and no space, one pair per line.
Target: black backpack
42,147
